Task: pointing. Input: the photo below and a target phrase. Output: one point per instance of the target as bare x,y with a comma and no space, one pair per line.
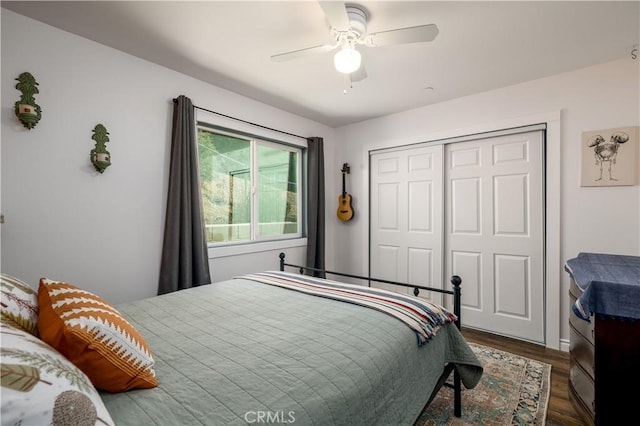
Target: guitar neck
344,189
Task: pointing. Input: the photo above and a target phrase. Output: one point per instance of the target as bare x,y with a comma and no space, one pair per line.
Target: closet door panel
406,213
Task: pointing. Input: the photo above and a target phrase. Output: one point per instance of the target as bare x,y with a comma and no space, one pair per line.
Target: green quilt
242,352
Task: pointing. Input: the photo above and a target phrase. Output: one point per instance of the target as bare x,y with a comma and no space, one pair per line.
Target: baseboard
564,345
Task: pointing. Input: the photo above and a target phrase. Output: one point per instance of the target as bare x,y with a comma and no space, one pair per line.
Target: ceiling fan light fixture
347,60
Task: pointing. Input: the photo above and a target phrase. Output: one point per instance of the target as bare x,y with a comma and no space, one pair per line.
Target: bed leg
457,387
457,394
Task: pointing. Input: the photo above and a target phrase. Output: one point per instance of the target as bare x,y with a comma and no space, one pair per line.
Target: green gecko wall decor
27,110
100,157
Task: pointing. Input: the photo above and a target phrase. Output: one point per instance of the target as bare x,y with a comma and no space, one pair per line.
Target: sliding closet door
467,207
406,216
494,239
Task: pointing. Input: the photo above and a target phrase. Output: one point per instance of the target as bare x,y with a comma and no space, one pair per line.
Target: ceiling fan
349,28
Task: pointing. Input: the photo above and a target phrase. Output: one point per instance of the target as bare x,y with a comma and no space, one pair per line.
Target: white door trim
553,262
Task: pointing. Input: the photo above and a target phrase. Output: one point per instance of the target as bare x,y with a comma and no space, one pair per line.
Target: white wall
63,219
592,219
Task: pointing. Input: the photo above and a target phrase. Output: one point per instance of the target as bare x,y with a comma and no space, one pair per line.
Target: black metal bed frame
455,281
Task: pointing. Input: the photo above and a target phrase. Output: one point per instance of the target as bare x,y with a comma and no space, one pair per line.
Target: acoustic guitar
345,212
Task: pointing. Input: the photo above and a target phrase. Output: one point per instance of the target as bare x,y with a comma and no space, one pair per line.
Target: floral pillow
95,337
19,304
42,387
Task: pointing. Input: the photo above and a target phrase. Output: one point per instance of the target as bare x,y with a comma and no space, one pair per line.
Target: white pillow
42,387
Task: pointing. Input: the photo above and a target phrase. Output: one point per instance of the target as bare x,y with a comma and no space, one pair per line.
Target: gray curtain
185,262
315,205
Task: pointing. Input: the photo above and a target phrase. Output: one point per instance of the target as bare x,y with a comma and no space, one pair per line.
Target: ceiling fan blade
336,14
359,74
295,54
421,33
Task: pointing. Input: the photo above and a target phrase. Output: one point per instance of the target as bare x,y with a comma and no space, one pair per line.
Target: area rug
513,390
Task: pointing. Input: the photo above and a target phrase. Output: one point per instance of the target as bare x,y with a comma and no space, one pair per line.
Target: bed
272,347
241,351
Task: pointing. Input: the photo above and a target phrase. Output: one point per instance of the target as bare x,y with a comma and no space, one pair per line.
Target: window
250,187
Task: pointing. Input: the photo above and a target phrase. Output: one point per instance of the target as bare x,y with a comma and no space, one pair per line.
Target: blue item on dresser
610,285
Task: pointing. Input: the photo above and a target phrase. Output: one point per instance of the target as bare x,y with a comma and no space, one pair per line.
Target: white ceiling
481,46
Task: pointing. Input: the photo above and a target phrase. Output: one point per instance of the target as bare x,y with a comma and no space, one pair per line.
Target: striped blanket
421,316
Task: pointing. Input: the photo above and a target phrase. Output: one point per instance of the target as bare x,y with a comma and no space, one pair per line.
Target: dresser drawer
574,290
582,351
582,387
581,326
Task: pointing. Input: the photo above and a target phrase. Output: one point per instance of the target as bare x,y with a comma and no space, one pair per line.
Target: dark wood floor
560,411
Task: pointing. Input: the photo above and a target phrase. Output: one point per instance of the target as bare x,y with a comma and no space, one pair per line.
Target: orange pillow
95,337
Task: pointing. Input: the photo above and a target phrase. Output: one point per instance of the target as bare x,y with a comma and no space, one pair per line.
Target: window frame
259,137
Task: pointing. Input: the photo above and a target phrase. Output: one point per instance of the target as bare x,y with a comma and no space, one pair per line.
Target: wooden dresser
604,375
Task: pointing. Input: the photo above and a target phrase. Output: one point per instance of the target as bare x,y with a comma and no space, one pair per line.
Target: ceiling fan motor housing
357,20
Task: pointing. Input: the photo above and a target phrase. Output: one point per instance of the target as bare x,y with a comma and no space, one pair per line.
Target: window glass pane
250,188
278,191
225,165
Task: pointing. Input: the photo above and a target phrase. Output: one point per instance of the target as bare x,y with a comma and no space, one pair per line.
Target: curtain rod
175,100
